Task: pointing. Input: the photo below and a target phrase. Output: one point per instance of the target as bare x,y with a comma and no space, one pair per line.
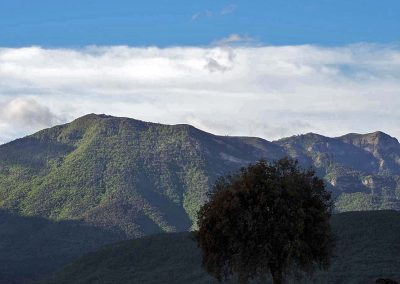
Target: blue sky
74,23
256,68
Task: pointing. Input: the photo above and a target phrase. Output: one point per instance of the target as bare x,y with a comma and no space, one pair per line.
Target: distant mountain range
137,178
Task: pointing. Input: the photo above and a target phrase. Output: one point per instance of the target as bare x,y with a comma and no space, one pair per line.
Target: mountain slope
31,247
117,178
384,148
368,247
361,170
120,173
141,178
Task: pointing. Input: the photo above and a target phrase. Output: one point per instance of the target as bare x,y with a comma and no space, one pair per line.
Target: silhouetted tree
270,218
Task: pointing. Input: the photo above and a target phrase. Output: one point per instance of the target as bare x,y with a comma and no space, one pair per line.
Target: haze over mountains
137,178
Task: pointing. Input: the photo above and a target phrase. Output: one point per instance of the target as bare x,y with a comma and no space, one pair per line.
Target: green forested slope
368,247
123,178
119,173
144,178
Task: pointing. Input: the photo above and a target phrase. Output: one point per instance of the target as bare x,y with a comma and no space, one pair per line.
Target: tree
269,218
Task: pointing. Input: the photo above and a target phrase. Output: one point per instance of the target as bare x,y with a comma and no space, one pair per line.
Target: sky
254,68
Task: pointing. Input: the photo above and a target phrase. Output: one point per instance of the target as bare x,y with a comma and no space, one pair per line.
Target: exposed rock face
362,170
386,149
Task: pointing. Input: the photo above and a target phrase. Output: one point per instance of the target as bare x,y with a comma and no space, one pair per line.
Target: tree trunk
277,277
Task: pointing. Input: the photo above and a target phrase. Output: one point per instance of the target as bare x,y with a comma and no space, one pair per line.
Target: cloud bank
265,91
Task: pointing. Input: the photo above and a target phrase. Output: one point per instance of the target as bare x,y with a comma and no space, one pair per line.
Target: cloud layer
266,91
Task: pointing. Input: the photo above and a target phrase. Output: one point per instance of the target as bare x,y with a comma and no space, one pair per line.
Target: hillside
362,171
141,178
31,247
101,179
119,173
368,247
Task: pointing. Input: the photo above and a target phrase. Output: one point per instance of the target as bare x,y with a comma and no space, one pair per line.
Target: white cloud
203,14
22,115
226,10
229,9
236,40
266,91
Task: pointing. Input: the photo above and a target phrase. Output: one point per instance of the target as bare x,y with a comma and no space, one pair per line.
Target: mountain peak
385,148
91,118
95,116
381,136
309,137
374,141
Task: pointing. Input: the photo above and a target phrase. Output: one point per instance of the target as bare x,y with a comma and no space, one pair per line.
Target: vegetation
115,173
101,179
359,201
368,247
132,178
362,171
268,218
143,178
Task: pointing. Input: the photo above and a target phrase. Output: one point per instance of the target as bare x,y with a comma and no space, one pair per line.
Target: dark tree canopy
268,219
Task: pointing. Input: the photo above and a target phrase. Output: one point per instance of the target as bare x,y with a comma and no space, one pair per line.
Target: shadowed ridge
368,248
32,247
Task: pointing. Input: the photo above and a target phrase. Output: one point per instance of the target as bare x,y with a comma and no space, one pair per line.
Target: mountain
119,173
362,171
71,188
368,247
137,178
383,147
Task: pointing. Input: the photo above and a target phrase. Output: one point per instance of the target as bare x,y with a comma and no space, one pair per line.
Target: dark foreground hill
368,248
31,247
141,178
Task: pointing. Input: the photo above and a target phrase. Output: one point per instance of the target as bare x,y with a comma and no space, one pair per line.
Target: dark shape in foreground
385,281
32,247
269,218
368,247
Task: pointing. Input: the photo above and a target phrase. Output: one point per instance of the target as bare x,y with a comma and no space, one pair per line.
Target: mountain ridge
142,177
